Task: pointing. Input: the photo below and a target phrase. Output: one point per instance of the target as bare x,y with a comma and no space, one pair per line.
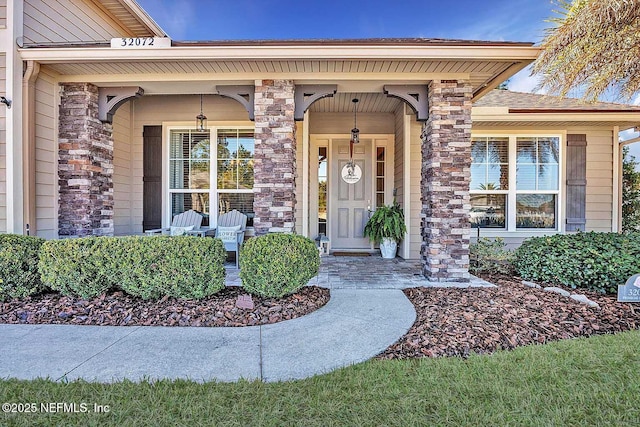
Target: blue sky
522,20
500,20
280,19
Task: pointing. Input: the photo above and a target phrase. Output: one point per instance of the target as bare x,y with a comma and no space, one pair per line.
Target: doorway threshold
352,252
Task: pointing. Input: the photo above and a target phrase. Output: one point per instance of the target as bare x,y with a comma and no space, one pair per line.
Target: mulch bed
458,322
450,321
118,309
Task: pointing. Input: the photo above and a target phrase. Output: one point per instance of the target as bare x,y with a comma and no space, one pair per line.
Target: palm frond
595,44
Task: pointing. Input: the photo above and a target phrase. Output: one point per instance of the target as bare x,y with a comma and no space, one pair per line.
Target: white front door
338,209
350,203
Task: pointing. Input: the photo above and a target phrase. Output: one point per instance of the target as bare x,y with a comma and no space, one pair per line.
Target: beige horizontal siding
415,162
57,21
122,172
398,172
3,13
599,179
46,152
299,179
511,242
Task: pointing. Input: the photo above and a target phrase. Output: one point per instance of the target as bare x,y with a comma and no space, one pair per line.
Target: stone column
446,164
275,157
85,164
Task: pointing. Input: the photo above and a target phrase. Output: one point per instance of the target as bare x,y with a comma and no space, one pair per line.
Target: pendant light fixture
355,132
201,119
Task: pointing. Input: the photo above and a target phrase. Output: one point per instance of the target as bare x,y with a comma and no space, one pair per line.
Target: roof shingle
525,102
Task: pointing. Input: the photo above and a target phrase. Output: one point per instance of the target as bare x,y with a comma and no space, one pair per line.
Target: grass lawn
582,382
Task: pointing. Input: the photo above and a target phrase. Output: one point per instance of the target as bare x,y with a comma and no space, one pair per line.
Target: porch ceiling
369,103
483,66
477,72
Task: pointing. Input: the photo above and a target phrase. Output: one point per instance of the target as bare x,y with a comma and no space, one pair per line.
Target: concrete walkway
367,312
354,326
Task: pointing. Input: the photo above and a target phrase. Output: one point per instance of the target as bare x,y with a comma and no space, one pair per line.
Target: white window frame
513,191
168,129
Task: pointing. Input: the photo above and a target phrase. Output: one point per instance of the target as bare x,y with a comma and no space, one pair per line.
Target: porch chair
230,229
188,222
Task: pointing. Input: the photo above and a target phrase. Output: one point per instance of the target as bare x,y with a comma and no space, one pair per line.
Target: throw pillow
228,234
179,231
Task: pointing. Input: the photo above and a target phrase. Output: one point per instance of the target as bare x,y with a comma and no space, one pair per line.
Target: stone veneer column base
446,163
275,157
85,165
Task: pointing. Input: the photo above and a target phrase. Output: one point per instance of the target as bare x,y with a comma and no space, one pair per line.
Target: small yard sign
245,301
630,291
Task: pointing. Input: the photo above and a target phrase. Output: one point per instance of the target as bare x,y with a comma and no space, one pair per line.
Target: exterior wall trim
284,52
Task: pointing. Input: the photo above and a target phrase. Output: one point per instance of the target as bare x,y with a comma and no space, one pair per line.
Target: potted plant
386,226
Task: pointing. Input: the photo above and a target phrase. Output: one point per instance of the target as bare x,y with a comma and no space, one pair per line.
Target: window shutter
152,178
576,182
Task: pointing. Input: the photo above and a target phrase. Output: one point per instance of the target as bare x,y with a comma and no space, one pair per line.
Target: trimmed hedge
275,265
147,267
19,275
180,266
594,261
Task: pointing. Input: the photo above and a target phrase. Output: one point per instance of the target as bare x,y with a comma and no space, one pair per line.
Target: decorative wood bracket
414,95
243,94
111,98
308,94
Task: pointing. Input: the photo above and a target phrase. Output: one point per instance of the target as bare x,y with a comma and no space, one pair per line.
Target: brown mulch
118,309
458,322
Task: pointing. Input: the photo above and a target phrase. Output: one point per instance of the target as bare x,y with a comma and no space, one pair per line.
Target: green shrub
76,267
147,267
19,266
594,261
276,264
490,256
181,266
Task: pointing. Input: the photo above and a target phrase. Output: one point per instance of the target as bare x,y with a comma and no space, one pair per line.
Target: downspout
29,149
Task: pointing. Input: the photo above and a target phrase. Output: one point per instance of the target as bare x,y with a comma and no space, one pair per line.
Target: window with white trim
210,180
515,182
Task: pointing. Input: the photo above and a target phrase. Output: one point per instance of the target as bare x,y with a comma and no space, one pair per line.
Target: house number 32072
136,41
140,42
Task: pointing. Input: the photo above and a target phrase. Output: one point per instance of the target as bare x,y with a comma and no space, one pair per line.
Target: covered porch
296,108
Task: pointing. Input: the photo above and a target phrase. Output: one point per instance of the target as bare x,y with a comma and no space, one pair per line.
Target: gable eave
132,16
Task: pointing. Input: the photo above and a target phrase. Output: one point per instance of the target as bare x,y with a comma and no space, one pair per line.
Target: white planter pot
388,247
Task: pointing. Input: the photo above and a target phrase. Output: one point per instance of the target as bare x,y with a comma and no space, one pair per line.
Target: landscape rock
557,291
583,299
531,284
